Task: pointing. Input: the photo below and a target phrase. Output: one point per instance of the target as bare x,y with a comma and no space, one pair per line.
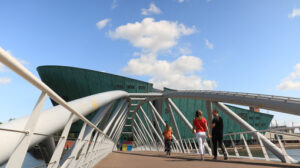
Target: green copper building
72,83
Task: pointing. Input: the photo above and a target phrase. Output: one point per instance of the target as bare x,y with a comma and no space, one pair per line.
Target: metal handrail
17,67
265,130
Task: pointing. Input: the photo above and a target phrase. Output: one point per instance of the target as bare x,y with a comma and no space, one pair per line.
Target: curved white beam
52,120
287,105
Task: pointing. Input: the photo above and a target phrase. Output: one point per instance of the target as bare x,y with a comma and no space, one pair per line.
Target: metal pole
118,119
148,127
246,145
263,149
175,124
119,108
143,143
235,149
146,132
76,148
155,119
17,157
272,147
287,160
147,119
197,150
190,145
142,133
119,128
61,144
142,137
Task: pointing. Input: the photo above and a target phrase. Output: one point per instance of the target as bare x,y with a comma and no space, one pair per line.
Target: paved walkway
159,160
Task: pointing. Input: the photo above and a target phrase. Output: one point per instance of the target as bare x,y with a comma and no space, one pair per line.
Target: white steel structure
93,143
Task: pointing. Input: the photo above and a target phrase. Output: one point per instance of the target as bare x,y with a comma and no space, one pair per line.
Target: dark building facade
72,83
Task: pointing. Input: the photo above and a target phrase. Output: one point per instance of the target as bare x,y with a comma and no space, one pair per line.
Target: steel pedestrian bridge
93,144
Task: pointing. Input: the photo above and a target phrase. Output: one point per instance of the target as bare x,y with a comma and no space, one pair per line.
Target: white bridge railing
238,145
98,137
92,144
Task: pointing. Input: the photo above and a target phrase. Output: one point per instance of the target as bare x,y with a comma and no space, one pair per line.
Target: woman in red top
200,125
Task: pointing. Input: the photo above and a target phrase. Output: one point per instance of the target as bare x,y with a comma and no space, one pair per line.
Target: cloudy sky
244,46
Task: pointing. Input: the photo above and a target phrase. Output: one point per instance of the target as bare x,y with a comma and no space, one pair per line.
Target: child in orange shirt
168,138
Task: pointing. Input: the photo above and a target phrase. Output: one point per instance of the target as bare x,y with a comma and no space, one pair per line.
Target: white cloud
292,82
296,12
102,23
114,4
185,51
179,74
180,1
209,44
151,10
4,80
151,35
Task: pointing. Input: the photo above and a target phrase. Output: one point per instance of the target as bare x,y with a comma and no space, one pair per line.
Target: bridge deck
158,159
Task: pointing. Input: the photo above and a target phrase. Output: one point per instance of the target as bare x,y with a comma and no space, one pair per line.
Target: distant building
72,83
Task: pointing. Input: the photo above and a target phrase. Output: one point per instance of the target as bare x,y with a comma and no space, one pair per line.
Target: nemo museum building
72,83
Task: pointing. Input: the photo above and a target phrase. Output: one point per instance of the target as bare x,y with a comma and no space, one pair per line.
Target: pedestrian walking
217,134
168,139
200,128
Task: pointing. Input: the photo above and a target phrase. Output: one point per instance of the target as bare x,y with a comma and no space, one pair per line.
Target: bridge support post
145,130
190,145
246,145
272,147
175,124
263,149
149,123
119,108
120,127
142,142
54,162
226,152
287,160
18,155
197,150
143,135
77,146
234,147
155,120
122,113
185,147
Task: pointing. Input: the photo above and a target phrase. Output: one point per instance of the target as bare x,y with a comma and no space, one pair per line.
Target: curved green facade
73,83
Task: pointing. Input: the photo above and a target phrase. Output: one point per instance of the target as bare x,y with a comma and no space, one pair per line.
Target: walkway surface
159,160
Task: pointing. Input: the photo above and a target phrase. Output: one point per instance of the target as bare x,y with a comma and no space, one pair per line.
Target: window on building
243,116
142,88
130,86
119,86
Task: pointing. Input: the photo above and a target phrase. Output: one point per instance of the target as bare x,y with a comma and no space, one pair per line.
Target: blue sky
244,46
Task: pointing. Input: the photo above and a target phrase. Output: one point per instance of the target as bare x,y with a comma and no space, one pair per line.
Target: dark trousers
217,140
168,145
